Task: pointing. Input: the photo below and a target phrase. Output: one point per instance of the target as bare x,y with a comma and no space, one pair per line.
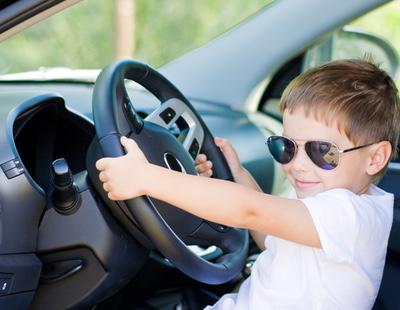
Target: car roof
247,55
16,15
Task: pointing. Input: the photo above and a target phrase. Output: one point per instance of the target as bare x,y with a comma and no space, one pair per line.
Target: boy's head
350,103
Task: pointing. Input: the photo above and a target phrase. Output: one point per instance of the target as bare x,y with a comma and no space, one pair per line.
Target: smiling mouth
301,183
307,182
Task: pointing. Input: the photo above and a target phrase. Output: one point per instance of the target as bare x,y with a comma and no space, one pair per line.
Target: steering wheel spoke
174,112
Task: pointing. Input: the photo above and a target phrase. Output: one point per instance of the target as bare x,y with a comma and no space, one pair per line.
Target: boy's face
308,179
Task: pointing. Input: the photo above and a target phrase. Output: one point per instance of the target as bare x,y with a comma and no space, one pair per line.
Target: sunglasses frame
296,147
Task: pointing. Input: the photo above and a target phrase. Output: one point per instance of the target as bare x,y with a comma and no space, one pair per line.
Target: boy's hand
204,166
123,177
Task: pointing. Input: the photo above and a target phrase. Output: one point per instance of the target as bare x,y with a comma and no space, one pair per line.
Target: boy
326,245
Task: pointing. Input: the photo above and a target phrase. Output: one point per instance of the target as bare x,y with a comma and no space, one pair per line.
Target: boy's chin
302,193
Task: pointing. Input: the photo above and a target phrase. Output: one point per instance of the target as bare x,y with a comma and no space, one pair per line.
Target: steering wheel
167,227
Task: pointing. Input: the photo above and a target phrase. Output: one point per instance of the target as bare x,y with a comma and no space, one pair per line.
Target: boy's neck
364,190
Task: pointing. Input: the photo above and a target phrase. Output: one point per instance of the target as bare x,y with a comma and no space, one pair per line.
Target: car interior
65,245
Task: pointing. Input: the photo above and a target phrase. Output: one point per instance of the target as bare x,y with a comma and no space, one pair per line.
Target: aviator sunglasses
322,153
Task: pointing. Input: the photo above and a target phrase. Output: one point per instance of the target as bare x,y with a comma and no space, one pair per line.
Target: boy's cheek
286,169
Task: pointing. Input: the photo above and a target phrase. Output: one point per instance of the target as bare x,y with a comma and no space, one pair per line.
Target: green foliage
83,36
184,25
385,22
80,37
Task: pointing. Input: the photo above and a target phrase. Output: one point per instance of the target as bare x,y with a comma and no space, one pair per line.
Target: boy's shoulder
349,224
373,194
345,206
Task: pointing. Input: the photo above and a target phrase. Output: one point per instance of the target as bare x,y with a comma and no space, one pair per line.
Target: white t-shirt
344,274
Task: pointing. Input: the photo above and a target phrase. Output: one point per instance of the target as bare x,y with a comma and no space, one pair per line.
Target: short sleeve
335,218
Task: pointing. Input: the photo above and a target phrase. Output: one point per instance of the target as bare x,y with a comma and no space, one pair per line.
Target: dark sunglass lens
324,154
281,148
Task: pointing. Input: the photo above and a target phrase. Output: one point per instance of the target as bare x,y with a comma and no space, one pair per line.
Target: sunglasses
323,154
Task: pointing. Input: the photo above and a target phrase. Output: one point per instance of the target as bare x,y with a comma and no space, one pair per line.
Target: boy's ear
379,155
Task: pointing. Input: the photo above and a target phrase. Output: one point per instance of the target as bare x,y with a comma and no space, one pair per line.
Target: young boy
326,245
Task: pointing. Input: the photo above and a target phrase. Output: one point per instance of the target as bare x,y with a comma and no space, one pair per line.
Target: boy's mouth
304,184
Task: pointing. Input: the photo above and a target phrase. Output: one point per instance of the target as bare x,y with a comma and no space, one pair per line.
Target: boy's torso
346,273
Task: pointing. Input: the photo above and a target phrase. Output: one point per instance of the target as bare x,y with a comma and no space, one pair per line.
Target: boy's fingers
204,167
207,173
106,187
101,164
221,143
111,196
201,158
200,168
103,177
129,144
219,140
225,146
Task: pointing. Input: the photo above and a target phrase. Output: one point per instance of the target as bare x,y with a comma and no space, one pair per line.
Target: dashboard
43,122
71,126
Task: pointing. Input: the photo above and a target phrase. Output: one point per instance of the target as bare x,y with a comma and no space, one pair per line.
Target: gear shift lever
65,196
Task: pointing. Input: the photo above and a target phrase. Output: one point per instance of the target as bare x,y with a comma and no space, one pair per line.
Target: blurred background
93,33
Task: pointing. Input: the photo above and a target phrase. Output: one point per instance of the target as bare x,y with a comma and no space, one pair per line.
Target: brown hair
357,92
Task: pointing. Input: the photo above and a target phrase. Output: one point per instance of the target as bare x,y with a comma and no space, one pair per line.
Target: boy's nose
301,161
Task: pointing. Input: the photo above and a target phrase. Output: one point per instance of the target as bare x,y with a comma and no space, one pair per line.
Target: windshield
93,33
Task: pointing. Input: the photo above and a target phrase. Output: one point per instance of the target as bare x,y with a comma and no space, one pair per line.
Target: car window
374,36
85,35
383,22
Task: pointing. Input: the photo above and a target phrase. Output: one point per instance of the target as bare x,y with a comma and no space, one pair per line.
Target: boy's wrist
148,179
240,173
245,178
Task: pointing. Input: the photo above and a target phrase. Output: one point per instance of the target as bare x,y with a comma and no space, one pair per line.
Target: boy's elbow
251,214
248,218
257,218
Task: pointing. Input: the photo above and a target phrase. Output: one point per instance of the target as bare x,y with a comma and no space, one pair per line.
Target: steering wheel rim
114,115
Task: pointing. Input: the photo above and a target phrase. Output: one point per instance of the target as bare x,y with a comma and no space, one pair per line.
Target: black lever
65,196
134,119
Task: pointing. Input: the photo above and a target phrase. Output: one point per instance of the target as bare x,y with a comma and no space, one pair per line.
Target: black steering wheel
169,228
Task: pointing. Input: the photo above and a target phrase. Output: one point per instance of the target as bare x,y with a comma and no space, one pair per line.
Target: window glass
384,22
375,35
154,31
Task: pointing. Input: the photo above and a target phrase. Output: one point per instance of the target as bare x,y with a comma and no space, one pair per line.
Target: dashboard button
194,148
5,286
167,115
12,173
8,165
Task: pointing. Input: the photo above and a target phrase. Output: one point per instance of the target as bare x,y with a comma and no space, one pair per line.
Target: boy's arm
219,201
240,175
232,204
246,179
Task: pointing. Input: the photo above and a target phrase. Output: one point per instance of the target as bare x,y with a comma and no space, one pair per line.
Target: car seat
388,296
